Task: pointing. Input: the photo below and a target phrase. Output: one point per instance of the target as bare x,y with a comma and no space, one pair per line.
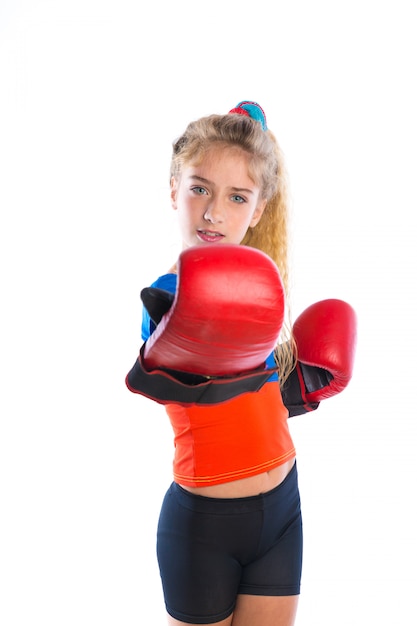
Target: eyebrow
209,182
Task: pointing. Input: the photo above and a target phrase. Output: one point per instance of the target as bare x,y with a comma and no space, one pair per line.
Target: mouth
209,235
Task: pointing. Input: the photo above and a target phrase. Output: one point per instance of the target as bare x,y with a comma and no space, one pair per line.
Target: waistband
228,506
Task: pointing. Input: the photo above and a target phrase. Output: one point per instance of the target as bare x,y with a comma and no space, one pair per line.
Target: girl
229,544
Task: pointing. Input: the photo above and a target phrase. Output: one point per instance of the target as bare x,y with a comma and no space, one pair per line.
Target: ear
174,187
258,212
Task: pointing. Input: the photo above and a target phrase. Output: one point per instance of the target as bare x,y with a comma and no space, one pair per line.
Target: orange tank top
236,439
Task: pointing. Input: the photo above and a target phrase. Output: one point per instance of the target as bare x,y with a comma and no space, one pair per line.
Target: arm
325,335
213,337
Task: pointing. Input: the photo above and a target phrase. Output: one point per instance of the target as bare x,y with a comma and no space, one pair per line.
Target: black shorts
212,549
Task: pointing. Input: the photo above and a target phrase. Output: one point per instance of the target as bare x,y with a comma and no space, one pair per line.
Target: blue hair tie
253,110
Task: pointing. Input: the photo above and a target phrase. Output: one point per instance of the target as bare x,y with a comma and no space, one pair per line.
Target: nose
214,212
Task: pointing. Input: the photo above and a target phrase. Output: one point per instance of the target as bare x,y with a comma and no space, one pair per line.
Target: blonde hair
267,168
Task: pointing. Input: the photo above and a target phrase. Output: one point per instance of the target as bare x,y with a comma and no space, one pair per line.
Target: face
216,200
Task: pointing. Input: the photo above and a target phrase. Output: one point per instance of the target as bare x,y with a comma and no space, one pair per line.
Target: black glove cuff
172,387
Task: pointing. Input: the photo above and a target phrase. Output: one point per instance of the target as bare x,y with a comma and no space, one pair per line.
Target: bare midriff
246,487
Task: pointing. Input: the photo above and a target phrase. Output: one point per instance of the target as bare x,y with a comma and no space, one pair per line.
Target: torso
246,487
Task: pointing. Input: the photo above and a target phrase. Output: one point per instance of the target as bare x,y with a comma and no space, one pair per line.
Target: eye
199,191
238,199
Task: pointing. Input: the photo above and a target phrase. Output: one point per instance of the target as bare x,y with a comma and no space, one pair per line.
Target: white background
92,92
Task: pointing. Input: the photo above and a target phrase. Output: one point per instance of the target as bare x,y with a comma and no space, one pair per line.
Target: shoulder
167,282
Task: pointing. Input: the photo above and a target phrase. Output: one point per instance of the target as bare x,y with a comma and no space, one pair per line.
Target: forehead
223,161
218,151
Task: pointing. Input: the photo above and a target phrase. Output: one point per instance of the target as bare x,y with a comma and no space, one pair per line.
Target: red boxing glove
226,315
325,334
